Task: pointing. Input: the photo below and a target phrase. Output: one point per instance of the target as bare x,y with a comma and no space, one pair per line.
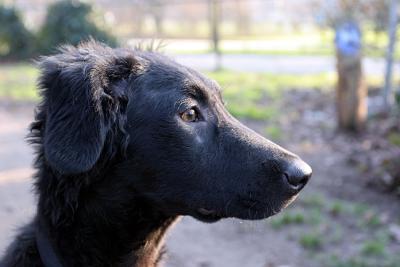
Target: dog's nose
297,174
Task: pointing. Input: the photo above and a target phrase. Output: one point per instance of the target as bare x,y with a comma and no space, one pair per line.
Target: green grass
313,201
18,81
312,241
373,248
286,218
248,95
315,216
233,82
394,139
373,220
278,42
274,132
251,111
360,209
255,95
361,261
337,208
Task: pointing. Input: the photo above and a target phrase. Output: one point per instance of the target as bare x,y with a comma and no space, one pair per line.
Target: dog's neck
109,226
149,251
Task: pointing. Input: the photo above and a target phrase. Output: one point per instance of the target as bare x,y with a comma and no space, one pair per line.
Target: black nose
297,174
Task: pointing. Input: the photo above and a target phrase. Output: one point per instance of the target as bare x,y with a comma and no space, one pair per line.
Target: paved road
298,65
258,63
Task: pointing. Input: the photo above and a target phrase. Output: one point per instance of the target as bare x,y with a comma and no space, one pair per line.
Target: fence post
351,91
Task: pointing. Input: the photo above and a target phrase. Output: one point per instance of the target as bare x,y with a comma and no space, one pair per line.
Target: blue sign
348,39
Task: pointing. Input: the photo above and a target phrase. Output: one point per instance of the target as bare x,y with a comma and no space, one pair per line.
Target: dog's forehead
196,83
193,82
185,79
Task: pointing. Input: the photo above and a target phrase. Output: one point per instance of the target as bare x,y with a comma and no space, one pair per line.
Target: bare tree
242,16
215,9
156,8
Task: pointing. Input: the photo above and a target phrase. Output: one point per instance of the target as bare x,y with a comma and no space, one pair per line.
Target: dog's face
185,153
195,158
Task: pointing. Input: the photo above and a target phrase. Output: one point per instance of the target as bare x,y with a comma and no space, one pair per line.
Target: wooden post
351,91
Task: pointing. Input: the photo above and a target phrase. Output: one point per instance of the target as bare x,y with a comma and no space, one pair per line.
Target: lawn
275,41
247,95
18,81
254,95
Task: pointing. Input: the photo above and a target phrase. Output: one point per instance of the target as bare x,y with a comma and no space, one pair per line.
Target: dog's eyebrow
196,91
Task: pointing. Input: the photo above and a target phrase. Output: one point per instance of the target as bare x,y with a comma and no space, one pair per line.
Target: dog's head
164,127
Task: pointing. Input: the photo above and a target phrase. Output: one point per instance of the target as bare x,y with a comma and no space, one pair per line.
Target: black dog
126,142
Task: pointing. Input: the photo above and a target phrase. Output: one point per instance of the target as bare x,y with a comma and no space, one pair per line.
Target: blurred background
318,77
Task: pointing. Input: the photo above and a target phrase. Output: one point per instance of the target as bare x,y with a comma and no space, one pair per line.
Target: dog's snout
298,173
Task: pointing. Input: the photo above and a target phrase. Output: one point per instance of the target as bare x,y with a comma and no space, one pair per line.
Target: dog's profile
129,140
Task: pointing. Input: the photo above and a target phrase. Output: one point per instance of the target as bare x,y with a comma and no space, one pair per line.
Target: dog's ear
83,90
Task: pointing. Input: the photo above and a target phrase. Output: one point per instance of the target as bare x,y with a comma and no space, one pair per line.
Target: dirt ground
337,221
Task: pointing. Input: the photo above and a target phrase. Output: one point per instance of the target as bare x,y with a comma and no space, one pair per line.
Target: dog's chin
213,216
263,211
256,212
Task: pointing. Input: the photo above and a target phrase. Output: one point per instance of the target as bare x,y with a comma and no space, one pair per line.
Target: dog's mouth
252,211
207,215
248,209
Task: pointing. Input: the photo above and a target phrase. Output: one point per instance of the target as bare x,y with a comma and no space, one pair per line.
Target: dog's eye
190,115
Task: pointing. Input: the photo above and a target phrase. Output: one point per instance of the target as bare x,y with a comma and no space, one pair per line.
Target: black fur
116,164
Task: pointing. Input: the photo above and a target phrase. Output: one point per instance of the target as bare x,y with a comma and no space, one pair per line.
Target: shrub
70,22
16,41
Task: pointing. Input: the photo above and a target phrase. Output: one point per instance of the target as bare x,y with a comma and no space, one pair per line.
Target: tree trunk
215,34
